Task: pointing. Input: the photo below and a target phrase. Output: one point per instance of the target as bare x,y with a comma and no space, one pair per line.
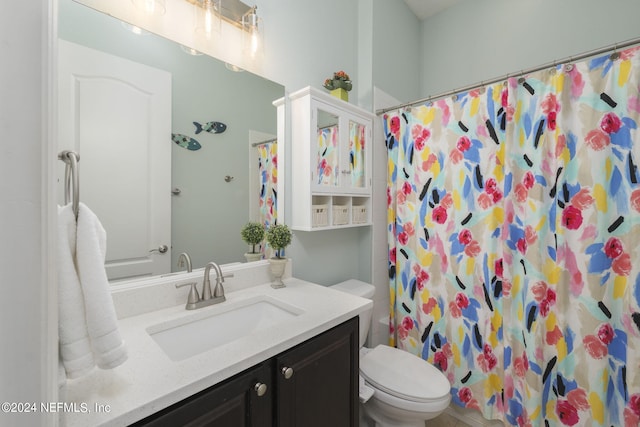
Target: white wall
480,40
27,352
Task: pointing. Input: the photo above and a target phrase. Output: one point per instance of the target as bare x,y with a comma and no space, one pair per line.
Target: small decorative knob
261,389
287,372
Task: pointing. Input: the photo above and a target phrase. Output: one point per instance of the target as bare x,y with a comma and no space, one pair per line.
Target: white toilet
407,390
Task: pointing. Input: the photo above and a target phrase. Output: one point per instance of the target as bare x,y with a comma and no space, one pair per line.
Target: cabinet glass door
328,150
357,154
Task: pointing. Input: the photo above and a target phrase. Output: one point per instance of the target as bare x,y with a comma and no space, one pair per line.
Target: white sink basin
216,325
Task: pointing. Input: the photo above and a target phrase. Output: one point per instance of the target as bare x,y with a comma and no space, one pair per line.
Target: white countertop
150,381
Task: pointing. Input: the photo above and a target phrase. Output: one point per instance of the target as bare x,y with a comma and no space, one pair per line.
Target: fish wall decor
185,142
211,127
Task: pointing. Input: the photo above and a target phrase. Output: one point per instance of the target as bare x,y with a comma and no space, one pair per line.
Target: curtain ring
615,55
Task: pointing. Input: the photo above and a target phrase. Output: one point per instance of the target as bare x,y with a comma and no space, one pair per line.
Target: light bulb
207,18
252,25
208,24
255,41
151,7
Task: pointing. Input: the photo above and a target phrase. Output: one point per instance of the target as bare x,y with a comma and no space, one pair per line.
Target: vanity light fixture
252,36
151,7
210,13
208,19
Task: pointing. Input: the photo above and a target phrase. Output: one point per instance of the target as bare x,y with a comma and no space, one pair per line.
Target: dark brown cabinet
243,401
312,384
317,381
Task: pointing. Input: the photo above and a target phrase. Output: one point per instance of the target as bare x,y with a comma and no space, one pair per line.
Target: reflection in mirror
328,155
214,190
357,147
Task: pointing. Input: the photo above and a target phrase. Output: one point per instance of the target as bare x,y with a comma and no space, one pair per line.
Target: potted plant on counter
252,233
278,237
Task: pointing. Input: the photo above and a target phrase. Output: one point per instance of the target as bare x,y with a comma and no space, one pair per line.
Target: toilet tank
364,290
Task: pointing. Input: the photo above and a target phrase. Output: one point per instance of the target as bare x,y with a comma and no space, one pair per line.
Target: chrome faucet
218,291
207,298
184,258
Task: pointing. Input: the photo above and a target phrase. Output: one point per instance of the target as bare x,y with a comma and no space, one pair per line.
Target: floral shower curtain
267,172
514,231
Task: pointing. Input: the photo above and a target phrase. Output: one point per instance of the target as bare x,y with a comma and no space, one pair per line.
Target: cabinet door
238,402
317,381
327,154
340,154
358,152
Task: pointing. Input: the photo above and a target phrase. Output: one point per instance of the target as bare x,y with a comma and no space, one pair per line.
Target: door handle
162,249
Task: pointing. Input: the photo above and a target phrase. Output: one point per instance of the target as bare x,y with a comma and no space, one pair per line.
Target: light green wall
208,214
397,45
482,39
307,40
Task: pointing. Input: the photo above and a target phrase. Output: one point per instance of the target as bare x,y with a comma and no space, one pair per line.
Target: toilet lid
403,375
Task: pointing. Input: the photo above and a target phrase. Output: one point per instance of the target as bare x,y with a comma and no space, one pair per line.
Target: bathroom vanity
313,384
263,357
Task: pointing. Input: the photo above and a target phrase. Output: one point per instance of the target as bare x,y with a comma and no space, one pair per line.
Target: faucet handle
193,294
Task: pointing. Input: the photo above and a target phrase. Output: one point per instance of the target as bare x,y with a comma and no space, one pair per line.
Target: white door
116,114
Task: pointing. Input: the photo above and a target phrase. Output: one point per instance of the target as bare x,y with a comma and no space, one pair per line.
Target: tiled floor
471,419
445,420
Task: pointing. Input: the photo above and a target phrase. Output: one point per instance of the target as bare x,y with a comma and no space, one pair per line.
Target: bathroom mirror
211,186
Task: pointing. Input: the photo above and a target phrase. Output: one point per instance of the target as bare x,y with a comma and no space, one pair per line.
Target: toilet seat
403,375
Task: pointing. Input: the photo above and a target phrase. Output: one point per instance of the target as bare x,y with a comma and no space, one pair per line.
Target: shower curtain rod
255,144
579,57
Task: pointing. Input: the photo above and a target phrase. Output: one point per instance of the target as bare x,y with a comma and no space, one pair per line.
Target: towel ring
71,179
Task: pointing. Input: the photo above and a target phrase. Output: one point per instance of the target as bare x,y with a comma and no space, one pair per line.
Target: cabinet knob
261,389
287,372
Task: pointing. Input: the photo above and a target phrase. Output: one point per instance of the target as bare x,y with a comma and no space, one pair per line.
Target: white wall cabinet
331,158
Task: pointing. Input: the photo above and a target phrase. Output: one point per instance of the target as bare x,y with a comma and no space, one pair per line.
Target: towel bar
71,179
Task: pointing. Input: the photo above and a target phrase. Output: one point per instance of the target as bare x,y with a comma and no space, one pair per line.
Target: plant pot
340,93
277,267
253,256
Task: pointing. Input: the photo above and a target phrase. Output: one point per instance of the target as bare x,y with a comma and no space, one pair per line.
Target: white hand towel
75,347
102,324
